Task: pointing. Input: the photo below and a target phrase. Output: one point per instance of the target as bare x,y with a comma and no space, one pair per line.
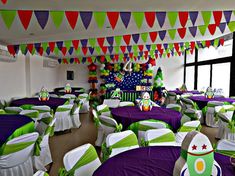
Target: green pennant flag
135,48
144,36
44,46
216,42
92,42
206,15
135,54
203,43
33,51
108,59
142,58
172,16
97,49
100,18
57,17
93,58
202,29
164,55
176,54
231,26
68,44
80,59
153,47
121,56
56,51
78,51
234,12
187,45
118,40
152,52
171,46
8,17
23,48
116,49
196,45
138,17
172,33
188,51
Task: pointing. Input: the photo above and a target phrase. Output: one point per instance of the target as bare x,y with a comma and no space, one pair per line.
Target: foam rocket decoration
116,94
209,93
43,95
67,88
183,88
145,104
197,157
119,77
158,80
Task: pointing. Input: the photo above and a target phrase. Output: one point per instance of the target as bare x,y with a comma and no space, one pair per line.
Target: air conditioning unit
5,56
50,63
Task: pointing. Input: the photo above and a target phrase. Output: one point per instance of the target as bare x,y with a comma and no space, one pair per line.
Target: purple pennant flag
193,30
198,43
156,51
111,56
91,49
59,44
70,50
141,53
165,45
222,27
162,34
86,18
161,16
125,17
212,42
129,48
59,61
127,58
227,15
136,37
42,17
71,60
83,60
37,49
48,51
37,45
110,40
193,17
84,42
110,48
148,47
181,44
125,55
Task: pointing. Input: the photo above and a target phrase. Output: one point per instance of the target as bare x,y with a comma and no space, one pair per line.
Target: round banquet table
63,93
129,114
12,126
202,100
53,103
178,92
151,161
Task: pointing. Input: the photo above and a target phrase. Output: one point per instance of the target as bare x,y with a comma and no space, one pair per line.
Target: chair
175,107
126,103
41,173
189,115
82,161
3,104
71,97
13,110
84,98
111,103
16,156
119,142
171,98
103,110
100,135
226,147
210,113
53,95
140,128
33,114
159,137
2,111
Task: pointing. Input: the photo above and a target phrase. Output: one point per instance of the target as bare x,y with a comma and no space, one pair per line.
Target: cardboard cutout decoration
197,157
119,77
183,88
43,95
67,88
209,93
145,103
116,94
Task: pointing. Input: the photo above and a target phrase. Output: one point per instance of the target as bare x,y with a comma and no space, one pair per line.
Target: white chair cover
175,107
126,103
104,110
225,144
111,103
41,173
210,113
71,97
100,135
19,163
13,110
108,125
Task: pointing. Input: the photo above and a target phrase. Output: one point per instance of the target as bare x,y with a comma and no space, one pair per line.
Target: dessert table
151,161
12,126
130,114
53,103
202,100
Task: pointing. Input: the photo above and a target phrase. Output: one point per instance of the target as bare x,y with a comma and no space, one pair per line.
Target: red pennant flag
104,49
76,60
113,59
150,18
127,39
153,36
89,60
116,57
192,44
65,61
102,59
11,50
52,46
212,28
25,17
168,55
30,47
75,44
123,48
161,51
146,53
183,17
159,47
131,55
64,50
179,53
113,18
152,61
182,32
135,58
176,45
141,47
4,1
124,59
208,43
100,41
221,41
217,17
84,50
72,17
191,51
156,56
40,51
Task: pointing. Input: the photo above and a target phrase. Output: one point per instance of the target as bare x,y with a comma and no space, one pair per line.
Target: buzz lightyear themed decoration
209,93
43,95
119,77
116,94
158,79
183,88
67,88
145,104
197,157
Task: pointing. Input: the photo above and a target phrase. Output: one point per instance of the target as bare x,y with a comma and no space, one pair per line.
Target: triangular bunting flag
110,40
161,16
92,42
113,18
206,15
64,50
125,17
162,35
136,37
231,26
67,44
72,17
144,36
193,17
44,46
51,46
42,18
202,29
86,18
150,18
217,17
153,36
172,16
183,17
182,32
193,30
100,18
138,17
75,44
31,48
222,27
123,49
172,33
84,50
25,17
110,48
118,40
127,38
8,17
100,41
212,28
57,17
227,15
141,47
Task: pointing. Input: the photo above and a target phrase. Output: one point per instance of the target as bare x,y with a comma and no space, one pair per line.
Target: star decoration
194,147
204,147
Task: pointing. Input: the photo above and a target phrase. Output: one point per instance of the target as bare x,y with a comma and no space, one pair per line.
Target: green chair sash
2,111
62,109
189,128
32,115
26,106
106,109
168,137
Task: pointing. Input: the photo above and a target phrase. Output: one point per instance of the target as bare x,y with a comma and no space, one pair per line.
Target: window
203,77
190,58
190,77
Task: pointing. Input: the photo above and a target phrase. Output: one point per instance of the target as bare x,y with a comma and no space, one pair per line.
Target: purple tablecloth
178,92
63,93
151,161
10,123
202,100
53,103
127,115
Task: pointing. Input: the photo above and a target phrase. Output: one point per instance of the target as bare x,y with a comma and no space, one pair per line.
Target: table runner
151,161
127,115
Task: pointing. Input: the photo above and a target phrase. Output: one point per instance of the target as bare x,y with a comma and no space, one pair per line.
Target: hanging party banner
150,18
